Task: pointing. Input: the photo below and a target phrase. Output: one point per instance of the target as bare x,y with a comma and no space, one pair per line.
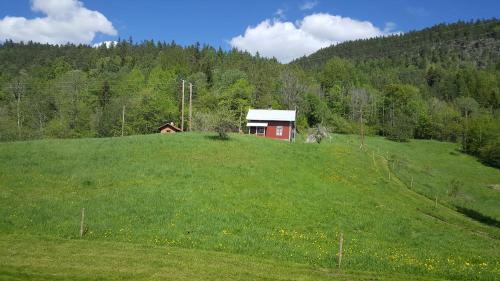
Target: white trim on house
254,124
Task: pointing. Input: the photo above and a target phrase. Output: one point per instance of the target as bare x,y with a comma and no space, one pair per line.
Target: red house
269,123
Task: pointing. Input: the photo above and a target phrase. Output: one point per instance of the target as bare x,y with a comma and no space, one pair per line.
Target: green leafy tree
361,100
338,71
73,112
224,122
401,107
237,98
467,107
314,109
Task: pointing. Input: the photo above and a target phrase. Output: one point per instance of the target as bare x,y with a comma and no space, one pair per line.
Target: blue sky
219,23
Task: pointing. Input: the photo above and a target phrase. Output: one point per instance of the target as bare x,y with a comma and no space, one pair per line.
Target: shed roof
171,125
271,115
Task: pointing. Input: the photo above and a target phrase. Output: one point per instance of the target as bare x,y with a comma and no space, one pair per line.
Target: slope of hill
272,204
43,258
476,43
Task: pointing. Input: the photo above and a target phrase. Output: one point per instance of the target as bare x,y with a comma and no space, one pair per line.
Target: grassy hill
188,206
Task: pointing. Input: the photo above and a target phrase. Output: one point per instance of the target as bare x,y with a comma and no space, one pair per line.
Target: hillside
256,205
474,42
42,258
441,83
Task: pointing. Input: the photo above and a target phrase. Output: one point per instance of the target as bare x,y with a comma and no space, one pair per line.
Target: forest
439,83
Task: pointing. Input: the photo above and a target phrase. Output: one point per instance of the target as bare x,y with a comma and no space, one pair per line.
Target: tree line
441,83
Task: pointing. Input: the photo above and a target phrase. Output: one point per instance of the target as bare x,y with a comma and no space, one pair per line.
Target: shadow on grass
217,138
477,216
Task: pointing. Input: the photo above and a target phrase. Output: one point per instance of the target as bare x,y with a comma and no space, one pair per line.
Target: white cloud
280,14
308,5
338,29
108,44
64,21
389,27
282,40
287,41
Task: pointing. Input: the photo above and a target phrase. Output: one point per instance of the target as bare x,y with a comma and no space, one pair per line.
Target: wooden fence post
81,222
123,119
341,242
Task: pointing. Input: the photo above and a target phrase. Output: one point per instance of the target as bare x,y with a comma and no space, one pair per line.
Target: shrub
224,122
490,153
203,122
340,125
401,131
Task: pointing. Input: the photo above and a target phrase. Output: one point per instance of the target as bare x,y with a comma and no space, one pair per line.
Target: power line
127,83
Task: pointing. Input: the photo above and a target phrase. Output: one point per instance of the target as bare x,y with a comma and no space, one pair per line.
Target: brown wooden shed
169,128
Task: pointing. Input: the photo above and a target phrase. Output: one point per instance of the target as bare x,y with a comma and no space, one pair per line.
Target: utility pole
190,105
182,107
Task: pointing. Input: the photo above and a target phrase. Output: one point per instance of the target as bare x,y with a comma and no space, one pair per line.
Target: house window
260,130
279,131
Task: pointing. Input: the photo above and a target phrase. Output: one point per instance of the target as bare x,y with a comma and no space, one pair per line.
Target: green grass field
188,206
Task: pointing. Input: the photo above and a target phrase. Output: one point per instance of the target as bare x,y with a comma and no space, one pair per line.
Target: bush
203,122
340,125
302,125
490,153
402,130
224,122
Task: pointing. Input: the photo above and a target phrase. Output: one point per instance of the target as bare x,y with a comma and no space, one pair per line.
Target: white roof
255,124
271,115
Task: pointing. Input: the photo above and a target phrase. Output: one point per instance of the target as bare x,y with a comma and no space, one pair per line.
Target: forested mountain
439,83
474,42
